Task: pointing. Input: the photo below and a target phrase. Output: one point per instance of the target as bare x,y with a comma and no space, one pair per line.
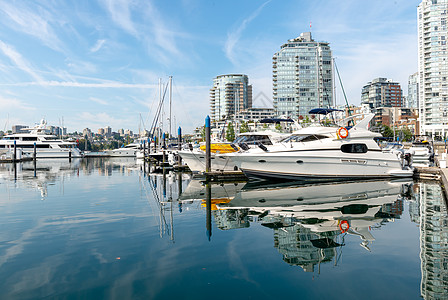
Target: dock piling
179,145
35,152
207,145
208,194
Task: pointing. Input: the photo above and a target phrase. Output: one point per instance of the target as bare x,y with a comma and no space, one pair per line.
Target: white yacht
129,150
47,145
324,153
422,152
195,158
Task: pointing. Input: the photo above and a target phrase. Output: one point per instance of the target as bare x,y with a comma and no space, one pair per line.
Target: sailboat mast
171,95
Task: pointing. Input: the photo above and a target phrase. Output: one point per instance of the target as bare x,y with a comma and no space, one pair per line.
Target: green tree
203,133
244,127
406,134
386,131
230,133
278,127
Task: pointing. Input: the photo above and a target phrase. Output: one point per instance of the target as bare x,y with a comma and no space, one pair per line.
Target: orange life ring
342,132
347,226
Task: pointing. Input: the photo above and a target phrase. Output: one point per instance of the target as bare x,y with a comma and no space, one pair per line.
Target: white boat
125,151
47,145
195,158
324,153
134,149
422,152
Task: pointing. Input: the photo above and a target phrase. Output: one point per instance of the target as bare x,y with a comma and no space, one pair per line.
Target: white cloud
98,45
13,105
85,85
99,101
34,23
18,60
234,36
120,13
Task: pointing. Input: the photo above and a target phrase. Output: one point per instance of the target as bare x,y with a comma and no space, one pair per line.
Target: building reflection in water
433,240
310,222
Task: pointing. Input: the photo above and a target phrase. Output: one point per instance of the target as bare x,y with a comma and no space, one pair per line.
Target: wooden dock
225,176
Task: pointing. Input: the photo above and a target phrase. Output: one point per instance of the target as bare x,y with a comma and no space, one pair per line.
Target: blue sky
94,63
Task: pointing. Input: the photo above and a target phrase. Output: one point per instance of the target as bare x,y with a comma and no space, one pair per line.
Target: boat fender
262,147
342,132
344,226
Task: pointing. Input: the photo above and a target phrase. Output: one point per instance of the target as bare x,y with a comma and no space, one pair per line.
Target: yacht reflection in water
310,222
39,174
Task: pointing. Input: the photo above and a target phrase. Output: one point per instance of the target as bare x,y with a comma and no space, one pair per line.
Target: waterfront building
121,132
433,67
382,92
413,90
255,114
108,131
302,76
87,132
101,131
229,95
18,128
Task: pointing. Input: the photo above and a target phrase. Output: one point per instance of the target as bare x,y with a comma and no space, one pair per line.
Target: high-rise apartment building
413,89
382,92
229,95
432,66
302,76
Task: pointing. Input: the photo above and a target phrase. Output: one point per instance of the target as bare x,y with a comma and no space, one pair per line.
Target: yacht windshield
303,138
253,139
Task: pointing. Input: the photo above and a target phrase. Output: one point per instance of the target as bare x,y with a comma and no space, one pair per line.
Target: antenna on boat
6,123
343,90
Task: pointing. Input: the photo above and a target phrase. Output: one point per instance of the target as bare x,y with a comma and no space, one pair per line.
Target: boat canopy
323,111
275,120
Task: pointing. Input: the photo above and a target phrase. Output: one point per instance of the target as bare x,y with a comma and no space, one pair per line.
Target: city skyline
97,63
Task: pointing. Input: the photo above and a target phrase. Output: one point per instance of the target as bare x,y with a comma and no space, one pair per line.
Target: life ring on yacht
344,226
343,132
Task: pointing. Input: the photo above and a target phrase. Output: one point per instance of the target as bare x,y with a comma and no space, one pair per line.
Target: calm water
103,229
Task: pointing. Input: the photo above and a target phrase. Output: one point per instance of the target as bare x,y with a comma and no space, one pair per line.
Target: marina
108,228
191,150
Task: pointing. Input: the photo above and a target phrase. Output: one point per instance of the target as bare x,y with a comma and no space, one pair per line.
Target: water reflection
310,222
40,174
116,228
433,219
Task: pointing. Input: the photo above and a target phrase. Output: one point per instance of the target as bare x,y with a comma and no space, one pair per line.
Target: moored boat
324,153
47,145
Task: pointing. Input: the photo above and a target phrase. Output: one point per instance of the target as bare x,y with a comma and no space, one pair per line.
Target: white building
229,95
302,76
413,90
432,67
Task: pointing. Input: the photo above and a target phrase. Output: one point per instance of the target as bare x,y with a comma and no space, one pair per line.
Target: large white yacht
47,145
195,157
324,153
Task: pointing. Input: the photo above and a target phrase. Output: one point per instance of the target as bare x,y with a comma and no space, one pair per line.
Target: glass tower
229,95
302,76
433,67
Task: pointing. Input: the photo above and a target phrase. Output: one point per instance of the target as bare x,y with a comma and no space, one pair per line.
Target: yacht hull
195,160
320,165
53,153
